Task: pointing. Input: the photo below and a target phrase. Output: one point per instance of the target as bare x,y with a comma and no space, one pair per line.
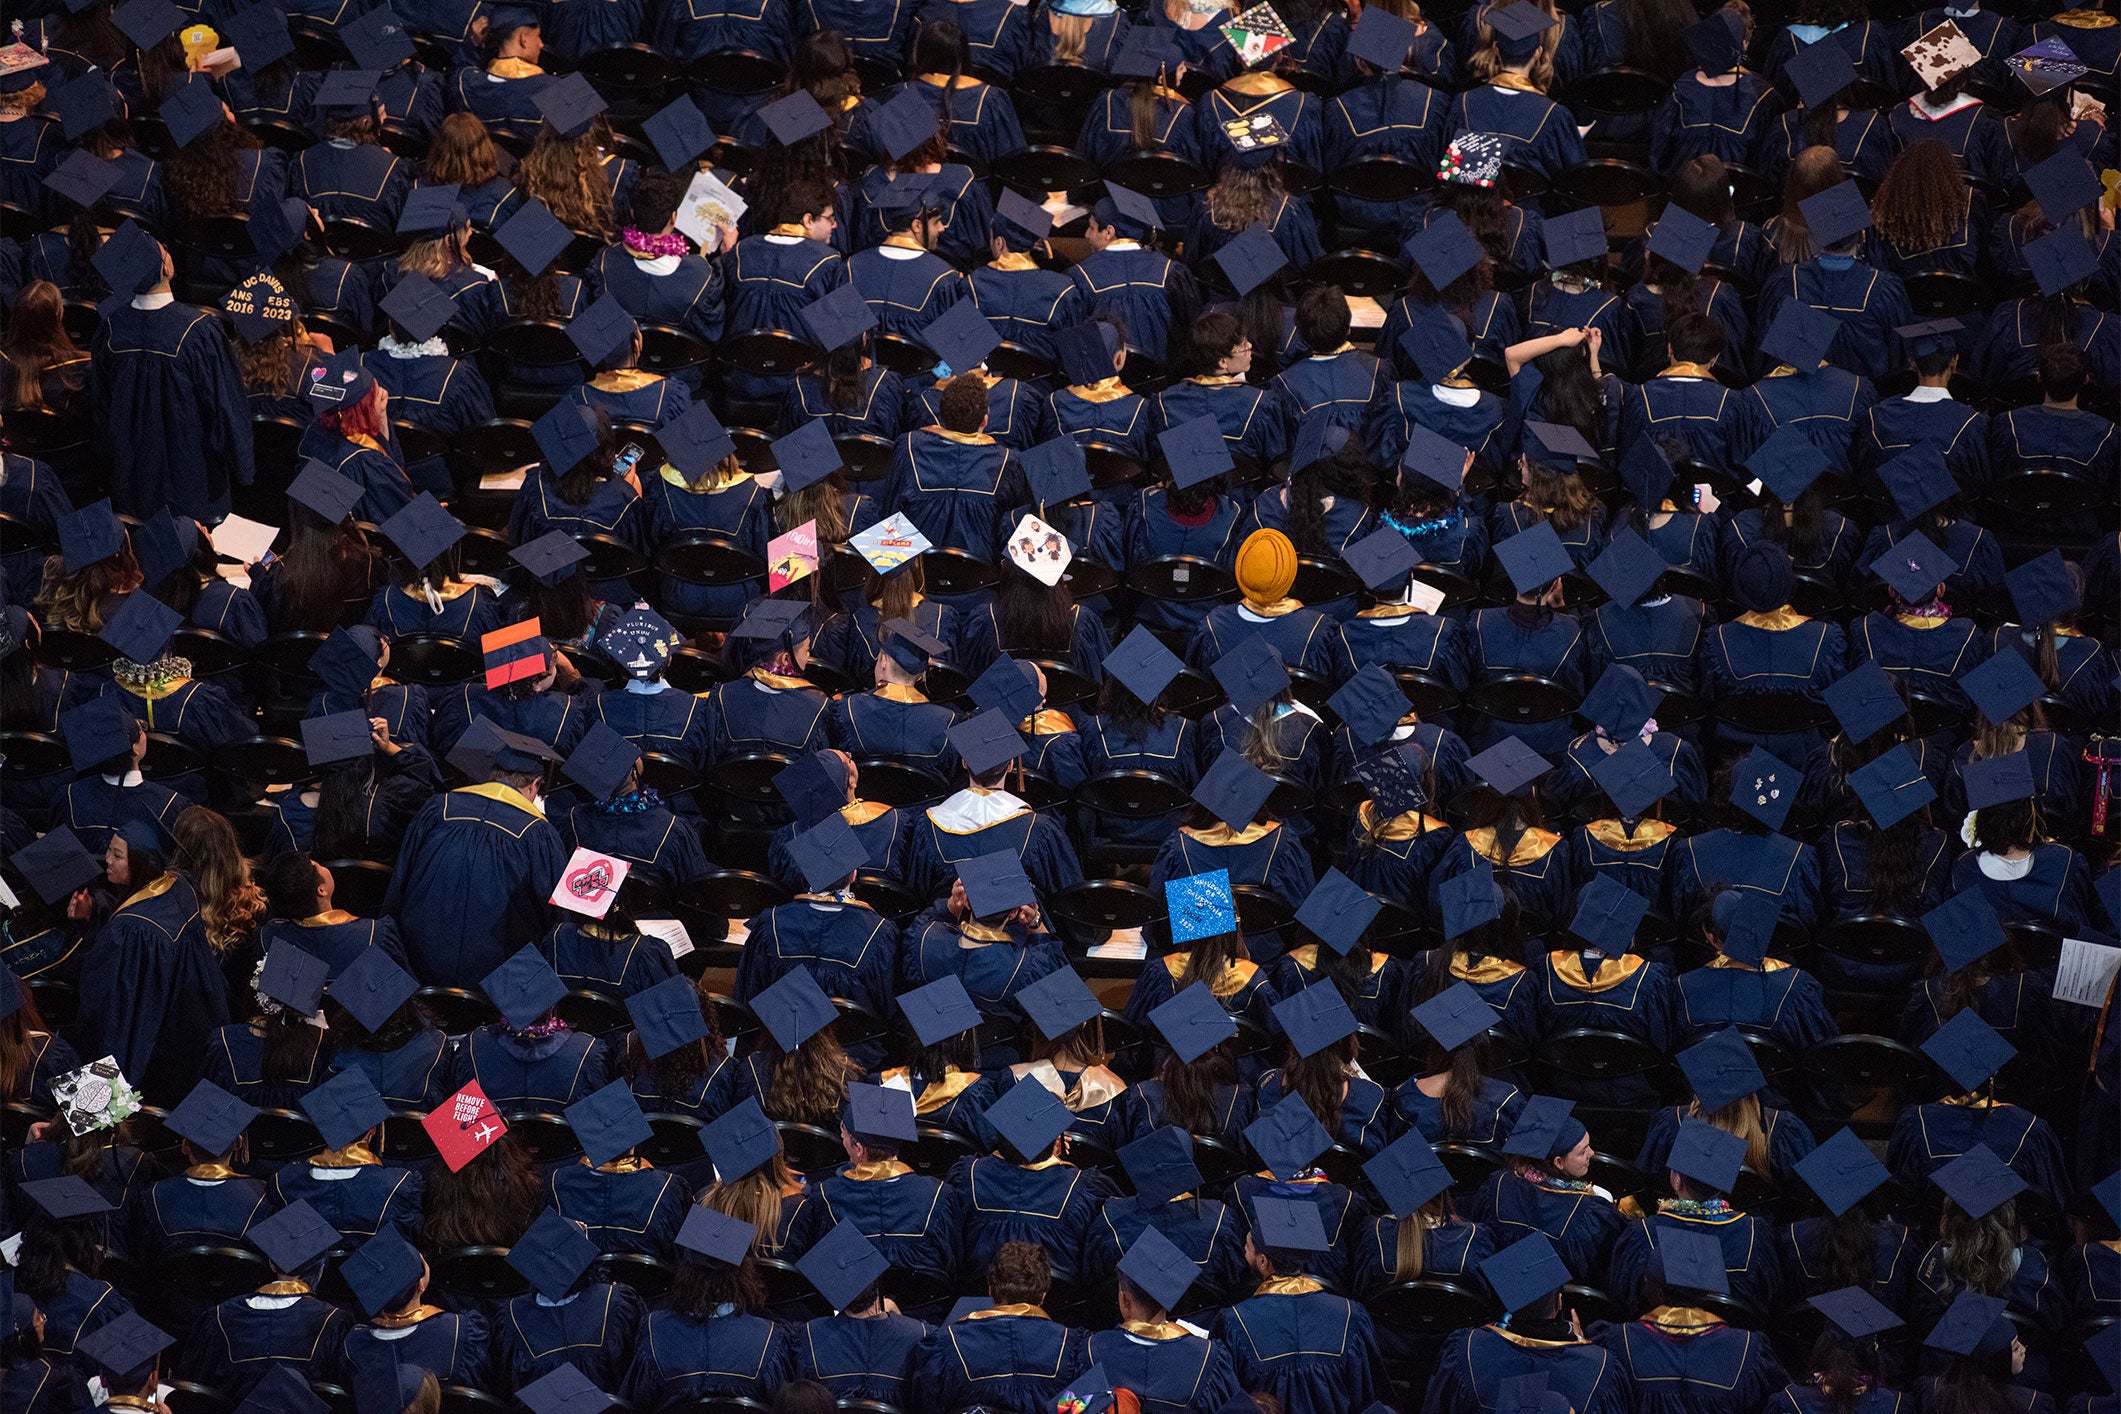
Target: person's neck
2060,404
1942,380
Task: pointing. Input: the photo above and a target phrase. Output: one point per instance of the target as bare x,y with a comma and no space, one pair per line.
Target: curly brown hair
201,178
563,173
1922,199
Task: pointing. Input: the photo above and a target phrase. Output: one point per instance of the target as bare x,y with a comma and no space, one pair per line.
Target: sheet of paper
1365,313
9,1247
709,203
1120,951
1425,597
7,896
502,481
2086,973
243,540
671,932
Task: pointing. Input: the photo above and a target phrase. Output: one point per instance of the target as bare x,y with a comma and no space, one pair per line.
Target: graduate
478,862
1026,1191
1916,640
623,1202
515,695
345,1182
1012,1341
124,1356
437,598
1863,138
977,118
568,1317
1198,1239
276,1058
1017,414
1626,841
107,745
771,707
1149,297
1264,567
610,956
390,1278
411,363
1719,108
610,340
63,1217
954,479
382,1034
1927,414
351,665
349,174
916,1222
1028,304
652,272
984,818
209,1201
1233,831
628,820
1538,135
904,282
702,489
2056,434
503,93
1684,401
156,685
996,954
1546,1193
1742,986
1383,114
1720,1068
1769,647
1314,1351
1688,1359
170,415
1537,1338
529,1059
234,1345
895,720
646,710
1442,399
826,783
866,1348
1702,1169
1149,1353
1802,392
1947,113
1871,305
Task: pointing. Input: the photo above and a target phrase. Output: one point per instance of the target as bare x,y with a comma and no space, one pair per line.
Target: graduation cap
1058,1002
2064,184
485,749
345,1107
1393,776
1892,786
83,178
1800,335
1682,238
1444,249
1553,444
294,978
2042,590
325,492
1289,1225
372,987
1146,52
1200,906
739,1141
566,434
1716,42
1534,558
551,557
789,119
1193,1022
1918,479
962,336
2060,259
1130,205
1969,1050
68,1196
843,1263
1287,1137
55,864
2003,686
1086,351
1509,766
940,1010
1708,1155
210,1117
1746,922
422,530
1692,1260
1382,38
570,104
2104,1349
1153,1261
381,1270
880,1112
1028,222
1469,900
1931,336
1518,24
276,227
1973,1324
1545,1128
1456,1015
1251,674
554,1253
681,132
1318,436
1432,456
905,196
1997,780
910,648
794,1009
769,619
344,91
1382,560
1607,915
1250,260
1437,344
1820,71
1315,1018
1407,1173
1626,569
420,307
903,124
995,883
806,455
524,988
986,742
130,261
1574,238
603,330
1764,788
141,628
1914,567
1836,215
1622,702
1195,450
1864,701
1842,1172
1634,778
608,1122
666,1016
148,22
695,440
1787,463
282,1390
293,1237
565,1390
1029,1118
377,39
1371,702
1055,468
258,34
1143,665
126,1345
813,786
1160,1165
1338,911
163,544
1526,1272
534,237
1721,1069
1233,790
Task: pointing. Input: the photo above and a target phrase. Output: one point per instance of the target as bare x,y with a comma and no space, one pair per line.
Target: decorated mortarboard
570,104
372,987
130,261
1918,479
995,883
1764,788
258,34
1233,790
1940,54
1382,38
1864,701
1193,1021
1842,1172
1027,218
1836,215
903,124
345,1107
141,628
381,1270
1969,1050
533,236
377,39
771,619
1682,238
1382,560
1509,766
962,336
1854,1312
1997,780
517,653
125,1345
843,1264
806,455
1160,1165
940,1010
294,1237
294,978
2003,686
1056,470
1251,674
1575,238
554,1253
1195,450
83,178
2047,65
1395,778
2041,590
565,1390
695,440
1315,1018
1800,335
1433,456
793,1009
1820,71
1716,42
1147,51
422,530
565,435
1251,259
524,988
986,742
1436,342
1607,915
2060,259
1444,249
1200,906
346,91
1526,1272
666,1016
1153,1261
739,1141
608,1122
209,1117
1627,569
1707,1155
1964,929
1721,1069
1456,1015
910,648
1370,702
325,492
1469,900
882,1112
1692,1260
1287,1137
1029,1118
1058,1002
1975,1323
601,331
148,22
55,864
1892,786
1143,665
681,132
1787,463
1288,1225
1914,567
1534,558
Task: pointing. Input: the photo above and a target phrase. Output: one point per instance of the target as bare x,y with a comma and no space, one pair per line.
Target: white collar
646,687
660,265
784,240
1123,243
270,1303
970,810
154,301
128,780
544,1300
1923,394
334,1175
1995,866
900,252
1455,397
437,347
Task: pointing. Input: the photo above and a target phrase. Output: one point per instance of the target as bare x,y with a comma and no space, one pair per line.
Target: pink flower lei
641,243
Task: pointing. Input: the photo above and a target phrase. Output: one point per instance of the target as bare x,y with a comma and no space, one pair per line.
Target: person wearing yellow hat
1265,567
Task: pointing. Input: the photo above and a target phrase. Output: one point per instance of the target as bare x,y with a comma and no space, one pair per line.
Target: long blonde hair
1070,33
209,854
1742,1118
1487,62
80,601
1409,1250
563,173
756,1199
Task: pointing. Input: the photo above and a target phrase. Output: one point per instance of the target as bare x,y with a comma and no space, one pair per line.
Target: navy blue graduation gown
545,1073
627,1205
1925,655
1580,1223
360,1200
171,417
1269,855
233,1345
474,871
1052,1204
1767,864
95,808
887,834
235,1061
444,395
1025,302
1927,1137
597,1330
764,712
939,845
595,956
2019,1004
1017,414
409,1076
1314,1351
1826,404
455,1345
906,288
506,103
917,1222
850,950
689,298
152,990
1476,1363
1388,116
82,1306
1169,1369
1783,1000
1777,652
1789,1140
1845,860
2035,439
1494,1112
1303,636
670,722
1684,1361
1209,1232
1154,298
1870,305
978,119
1959,431
43,1385
30,493
200,713
340,178
772,277
1802,1245
979,643
1750,1258
1251,427
1401,638
1013,1357
859,1357
1344,382
662,846
614,508
1695,118
1153,529
404,781
1139,1110
878,410
954,487
469,611
1537,133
